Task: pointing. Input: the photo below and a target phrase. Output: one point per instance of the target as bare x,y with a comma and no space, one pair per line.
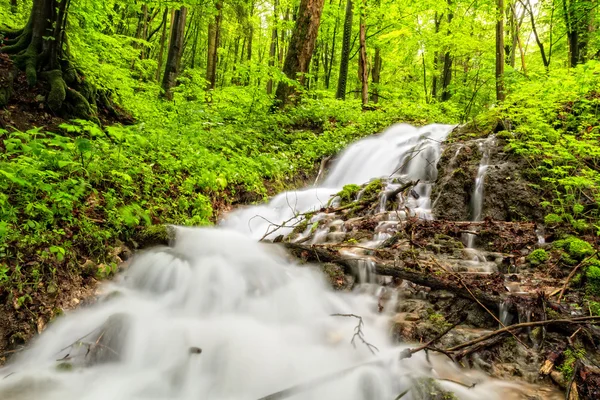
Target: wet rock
507,196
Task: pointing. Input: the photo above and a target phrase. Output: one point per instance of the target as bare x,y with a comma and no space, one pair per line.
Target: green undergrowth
554,123
78,192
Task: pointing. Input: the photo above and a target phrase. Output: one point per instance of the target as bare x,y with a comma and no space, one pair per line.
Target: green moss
154,235
575,248
348,193
537,257
592,275
373,188
570,357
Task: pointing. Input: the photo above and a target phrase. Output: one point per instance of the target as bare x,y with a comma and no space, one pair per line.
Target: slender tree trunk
273,46
364,68
500,90
329,68
447,69
214,32
577,15
529,10
376,70
175,52
302,44
343,78
163,40
195,44
144,33
376,75
282,43
250,31
436,57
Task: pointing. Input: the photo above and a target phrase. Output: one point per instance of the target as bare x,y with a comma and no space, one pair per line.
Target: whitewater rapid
218,315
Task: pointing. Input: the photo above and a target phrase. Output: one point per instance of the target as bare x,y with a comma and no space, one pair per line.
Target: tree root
58,89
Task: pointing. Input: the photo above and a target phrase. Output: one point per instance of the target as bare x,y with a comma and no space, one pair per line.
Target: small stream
219,315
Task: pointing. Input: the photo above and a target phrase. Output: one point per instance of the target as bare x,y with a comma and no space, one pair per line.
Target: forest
119,118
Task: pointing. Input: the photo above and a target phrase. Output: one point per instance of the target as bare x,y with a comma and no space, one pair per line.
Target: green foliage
537,257
555,128
570,356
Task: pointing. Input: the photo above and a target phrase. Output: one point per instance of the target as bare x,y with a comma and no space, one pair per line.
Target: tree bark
376,75
163,40
577,17
529,10
302,44
343,77
436,57
214,33
376,70
175,52
447,69
500,90
273,46
364,69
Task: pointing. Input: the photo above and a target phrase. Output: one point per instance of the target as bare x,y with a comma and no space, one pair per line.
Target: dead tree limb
562,291
579,320
358,332
398,270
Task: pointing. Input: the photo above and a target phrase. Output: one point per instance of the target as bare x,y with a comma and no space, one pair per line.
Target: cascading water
402,152
477,196
220,316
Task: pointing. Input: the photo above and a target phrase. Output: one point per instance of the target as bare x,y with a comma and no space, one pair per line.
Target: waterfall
220,316
476,205
402,151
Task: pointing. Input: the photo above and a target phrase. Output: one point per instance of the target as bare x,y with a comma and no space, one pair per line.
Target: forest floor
498,307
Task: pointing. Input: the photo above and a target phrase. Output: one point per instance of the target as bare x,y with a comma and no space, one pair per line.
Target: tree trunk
175,52
214,33
577,17
364,69
447,69
273,46
49,60
332,53
529,10
144,33
302,44
163,40
195,44
500,90
343,77
376,75
436,57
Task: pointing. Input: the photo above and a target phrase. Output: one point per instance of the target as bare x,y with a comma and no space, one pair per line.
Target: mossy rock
575,249
348,193
373,188
154,235
537,257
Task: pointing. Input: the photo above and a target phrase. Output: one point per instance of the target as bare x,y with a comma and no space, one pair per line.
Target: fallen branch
398,270
457,276
579,320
